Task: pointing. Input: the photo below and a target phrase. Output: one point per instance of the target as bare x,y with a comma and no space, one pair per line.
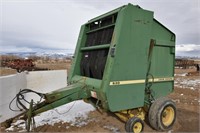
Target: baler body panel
114,58
163,57
132,40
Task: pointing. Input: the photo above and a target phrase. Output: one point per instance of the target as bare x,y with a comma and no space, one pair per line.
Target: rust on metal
186,63
21,65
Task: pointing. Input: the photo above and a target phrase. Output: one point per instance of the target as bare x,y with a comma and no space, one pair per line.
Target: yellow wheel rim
168,116
137,127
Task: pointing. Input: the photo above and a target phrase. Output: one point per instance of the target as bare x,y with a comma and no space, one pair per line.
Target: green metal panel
96,83
96,47
75,68
130,60
105,15
162,59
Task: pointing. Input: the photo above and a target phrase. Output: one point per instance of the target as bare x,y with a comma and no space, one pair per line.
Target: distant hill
64,53
47,53
187,57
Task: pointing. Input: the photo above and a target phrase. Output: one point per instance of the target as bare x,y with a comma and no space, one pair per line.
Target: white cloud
192,50
187,47
44,22
56,23
13,49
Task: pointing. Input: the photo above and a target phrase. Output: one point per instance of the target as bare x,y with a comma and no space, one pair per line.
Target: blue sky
30,25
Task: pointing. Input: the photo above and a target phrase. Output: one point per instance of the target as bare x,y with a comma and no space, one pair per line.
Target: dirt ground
7,71
50,66
186,95
55,66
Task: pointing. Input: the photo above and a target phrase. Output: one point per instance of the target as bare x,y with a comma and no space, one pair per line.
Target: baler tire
127,125
158,111
134,125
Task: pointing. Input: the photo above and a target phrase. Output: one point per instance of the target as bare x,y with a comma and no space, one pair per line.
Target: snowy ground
70,113
183,81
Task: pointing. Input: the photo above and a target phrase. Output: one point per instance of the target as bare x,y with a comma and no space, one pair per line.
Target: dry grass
7,71
54,66
51,66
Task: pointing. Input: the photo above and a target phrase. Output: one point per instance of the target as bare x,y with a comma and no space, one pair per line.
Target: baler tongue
52,100
71,92
57,98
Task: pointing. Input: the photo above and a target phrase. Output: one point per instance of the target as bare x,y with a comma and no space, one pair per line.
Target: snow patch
182,74
192,84
75,113
112,128
80,109
20,124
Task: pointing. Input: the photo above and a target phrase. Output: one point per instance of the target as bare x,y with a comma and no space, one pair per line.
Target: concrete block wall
9,87
46,81
40,81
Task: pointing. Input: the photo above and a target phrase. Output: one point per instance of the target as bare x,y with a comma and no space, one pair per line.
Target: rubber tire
130,123
155,113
